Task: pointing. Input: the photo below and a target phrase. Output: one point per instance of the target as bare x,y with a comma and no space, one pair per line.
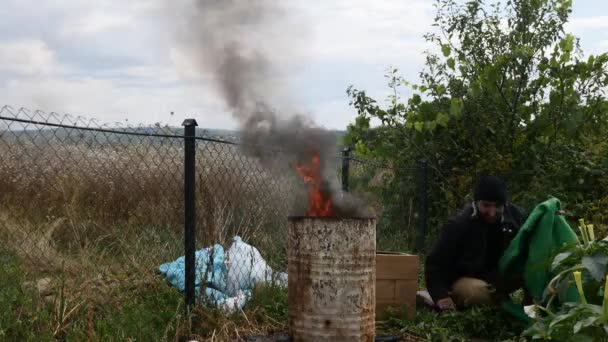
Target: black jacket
468,247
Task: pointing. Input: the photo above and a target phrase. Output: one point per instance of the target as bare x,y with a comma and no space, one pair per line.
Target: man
462,268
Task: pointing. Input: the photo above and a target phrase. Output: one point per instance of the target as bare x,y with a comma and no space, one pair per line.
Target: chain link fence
86,206
102,203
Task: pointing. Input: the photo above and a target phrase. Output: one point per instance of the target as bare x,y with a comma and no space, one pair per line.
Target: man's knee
471,291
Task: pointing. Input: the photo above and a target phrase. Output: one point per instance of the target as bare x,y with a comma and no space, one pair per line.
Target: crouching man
462,268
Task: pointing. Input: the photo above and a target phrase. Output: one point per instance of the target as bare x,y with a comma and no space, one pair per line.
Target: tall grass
92,222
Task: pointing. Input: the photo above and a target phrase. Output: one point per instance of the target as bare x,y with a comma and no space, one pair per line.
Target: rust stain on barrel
331,265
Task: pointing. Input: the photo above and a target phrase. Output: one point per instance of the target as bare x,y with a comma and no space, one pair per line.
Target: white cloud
111,102
362,31
27,56
333,113
97,22
184,65
588,23
159,73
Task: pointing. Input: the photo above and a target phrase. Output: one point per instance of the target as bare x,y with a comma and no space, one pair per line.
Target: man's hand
446,304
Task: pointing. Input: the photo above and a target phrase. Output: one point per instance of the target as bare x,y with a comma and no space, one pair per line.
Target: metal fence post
345,167
189,209
423,209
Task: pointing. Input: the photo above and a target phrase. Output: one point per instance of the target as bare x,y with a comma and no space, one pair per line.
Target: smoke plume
236,43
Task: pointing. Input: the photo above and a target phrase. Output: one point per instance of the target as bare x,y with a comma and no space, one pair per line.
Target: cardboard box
396,282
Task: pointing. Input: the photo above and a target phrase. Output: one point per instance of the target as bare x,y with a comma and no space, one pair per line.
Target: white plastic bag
246,268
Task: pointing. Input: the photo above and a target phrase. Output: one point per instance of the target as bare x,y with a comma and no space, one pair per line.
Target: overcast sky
114,60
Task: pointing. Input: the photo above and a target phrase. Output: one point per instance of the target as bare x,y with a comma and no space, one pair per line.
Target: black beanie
491,188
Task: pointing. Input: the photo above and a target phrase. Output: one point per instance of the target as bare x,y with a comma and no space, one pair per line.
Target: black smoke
235,42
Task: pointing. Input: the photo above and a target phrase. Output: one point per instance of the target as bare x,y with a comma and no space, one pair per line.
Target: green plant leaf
440,89
445,49
456,107
416,99
595,267
567,44
600,257
559,258
592,308
558,319
451,63
589,321
419,126
442,119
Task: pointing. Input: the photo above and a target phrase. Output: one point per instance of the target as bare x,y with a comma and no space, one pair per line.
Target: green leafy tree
506,91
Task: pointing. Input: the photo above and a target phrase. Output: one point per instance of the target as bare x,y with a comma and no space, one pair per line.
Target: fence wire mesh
94,214
99,205
105,204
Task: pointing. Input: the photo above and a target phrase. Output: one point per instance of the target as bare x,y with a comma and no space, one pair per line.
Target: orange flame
319,201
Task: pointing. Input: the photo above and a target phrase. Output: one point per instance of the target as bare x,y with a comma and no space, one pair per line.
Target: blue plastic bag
210,270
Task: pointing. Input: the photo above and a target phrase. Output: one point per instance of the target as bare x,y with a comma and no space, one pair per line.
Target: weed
479,322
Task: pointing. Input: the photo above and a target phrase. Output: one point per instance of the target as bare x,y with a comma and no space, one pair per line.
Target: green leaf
440,89
553,63
584,323
416,99
409,125
567,44
419,126
456,107
451,63
589,321
559,258
558,319
445,49
595,267
601,258
475,88
360,148
493,74
578,326
594,309
442,119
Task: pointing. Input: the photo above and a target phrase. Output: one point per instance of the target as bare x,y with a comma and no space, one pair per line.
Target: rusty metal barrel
331,267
